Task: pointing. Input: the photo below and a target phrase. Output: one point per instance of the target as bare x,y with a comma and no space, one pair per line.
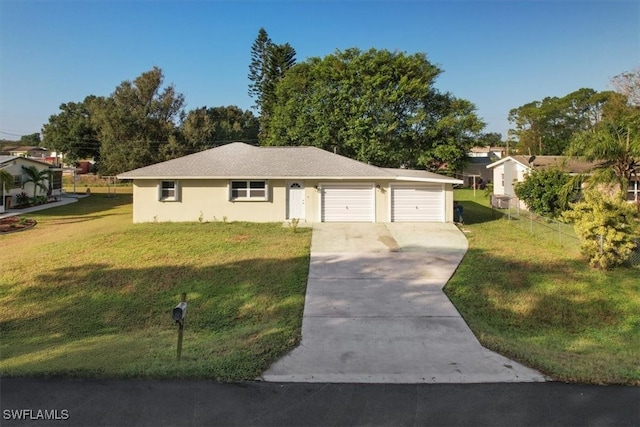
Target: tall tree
628,84
209,127
258,66
73,132
546,127
269,63
490,139
614,145
137,123
33,139
377,106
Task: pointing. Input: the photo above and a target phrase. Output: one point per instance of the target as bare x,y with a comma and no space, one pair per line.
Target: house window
502,180
169,191
56,178
248,190
633,193
17,181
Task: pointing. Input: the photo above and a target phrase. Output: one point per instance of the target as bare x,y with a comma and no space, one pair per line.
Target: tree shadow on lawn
253,301
475,213
559,307
87,206
253,307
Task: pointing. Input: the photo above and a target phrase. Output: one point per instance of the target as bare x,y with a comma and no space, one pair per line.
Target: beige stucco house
13,165
241,182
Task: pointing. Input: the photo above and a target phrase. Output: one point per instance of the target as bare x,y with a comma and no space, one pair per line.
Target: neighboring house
13,165
476,172
28,151
240,182
510,170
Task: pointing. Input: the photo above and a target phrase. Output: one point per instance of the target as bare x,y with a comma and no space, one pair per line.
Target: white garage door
347,202
418,203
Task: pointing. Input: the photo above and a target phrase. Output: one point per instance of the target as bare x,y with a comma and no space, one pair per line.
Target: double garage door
355,202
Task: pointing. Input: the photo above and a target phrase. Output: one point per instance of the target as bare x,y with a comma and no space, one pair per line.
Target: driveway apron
375,311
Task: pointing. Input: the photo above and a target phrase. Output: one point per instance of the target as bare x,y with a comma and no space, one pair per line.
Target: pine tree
258,66
269,63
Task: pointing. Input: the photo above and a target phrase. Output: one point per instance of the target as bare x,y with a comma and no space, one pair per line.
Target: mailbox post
179,313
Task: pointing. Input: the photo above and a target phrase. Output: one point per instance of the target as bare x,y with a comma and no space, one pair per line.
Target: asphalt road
203,403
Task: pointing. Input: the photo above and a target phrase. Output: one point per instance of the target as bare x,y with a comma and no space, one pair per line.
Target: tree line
140,123
375,106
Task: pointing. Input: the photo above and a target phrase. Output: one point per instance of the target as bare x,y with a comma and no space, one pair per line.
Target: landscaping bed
13,224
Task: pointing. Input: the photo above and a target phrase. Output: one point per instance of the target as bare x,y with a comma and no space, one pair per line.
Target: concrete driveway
375,311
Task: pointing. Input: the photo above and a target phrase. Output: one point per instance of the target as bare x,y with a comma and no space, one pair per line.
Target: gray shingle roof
6,159
564,163
239,160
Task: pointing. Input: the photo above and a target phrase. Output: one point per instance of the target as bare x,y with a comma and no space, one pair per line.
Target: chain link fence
546,229
634,258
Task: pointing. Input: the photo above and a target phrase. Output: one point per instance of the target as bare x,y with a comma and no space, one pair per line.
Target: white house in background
513,169
475,172
242,182
13,165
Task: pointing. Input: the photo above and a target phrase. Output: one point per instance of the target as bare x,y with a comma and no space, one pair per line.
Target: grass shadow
242,316
476,213
570,322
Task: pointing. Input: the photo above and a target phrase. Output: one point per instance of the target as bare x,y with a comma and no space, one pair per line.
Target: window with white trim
633,193
248,190
17,181
168,191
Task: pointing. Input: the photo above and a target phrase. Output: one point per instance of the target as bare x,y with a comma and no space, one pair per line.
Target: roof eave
290,177
444,180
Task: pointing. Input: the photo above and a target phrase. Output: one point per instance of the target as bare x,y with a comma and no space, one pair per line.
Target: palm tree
614,145
37,177
6,179
6,182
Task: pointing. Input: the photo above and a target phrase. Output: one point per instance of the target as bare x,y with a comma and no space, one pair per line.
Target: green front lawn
88,293
538,302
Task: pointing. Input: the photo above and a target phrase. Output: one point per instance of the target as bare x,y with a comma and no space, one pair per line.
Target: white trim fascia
433,180
445,180
504,160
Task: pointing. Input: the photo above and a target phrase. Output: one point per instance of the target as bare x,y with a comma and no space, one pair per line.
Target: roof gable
8,159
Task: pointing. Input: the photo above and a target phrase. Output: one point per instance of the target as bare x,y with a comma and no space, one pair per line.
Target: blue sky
497,54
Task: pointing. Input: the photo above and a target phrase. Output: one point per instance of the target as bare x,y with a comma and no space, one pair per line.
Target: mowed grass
87,293
538,302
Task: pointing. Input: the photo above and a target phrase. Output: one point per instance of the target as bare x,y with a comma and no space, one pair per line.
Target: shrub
38,200
22,199
606,226
547,192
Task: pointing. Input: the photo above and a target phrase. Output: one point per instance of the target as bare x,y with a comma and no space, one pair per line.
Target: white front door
295,200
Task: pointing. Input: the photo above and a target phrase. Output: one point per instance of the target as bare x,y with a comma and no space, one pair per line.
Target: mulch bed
13,224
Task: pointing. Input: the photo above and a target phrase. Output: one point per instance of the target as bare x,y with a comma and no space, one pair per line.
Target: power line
8,133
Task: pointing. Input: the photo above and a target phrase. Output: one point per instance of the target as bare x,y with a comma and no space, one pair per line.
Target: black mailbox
180,311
